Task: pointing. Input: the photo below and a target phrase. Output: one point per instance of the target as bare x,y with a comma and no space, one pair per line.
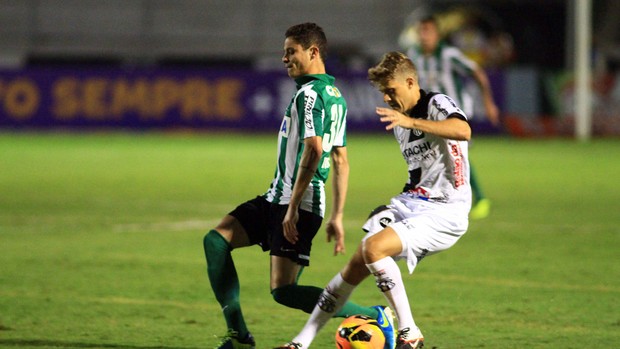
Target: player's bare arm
307,167
450,128
487,95
340,181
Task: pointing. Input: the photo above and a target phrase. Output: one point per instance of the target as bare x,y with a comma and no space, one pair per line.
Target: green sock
305,297
475,186
224,280
350,309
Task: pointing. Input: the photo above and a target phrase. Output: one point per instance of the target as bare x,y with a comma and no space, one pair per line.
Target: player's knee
371,250
208,240
214,241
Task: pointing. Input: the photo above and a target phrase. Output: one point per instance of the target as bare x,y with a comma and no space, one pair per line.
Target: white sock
390,282
334,296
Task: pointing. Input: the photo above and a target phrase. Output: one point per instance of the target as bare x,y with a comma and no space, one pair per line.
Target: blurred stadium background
157,64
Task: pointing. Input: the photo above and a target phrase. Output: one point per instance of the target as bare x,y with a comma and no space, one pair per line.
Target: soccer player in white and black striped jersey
444,68
431,213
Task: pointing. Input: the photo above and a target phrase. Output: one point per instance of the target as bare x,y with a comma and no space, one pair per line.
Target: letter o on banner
21,99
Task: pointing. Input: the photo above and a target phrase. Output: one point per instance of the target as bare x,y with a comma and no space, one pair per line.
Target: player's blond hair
393,64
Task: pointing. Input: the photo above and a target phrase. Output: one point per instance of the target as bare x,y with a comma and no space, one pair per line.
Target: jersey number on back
336,123
336,115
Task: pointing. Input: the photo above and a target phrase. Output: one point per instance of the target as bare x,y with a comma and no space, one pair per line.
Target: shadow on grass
67,344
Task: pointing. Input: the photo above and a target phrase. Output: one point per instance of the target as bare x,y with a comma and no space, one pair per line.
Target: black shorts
262,222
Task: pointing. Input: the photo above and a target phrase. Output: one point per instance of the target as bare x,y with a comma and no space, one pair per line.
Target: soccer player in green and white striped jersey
284,220
444,68
317,110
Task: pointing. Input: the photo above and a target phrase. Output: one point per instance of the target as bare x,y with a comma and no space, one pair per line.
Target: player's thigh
284,271
385,243
287,259
425,235
232,230
247,224
428,234
307,227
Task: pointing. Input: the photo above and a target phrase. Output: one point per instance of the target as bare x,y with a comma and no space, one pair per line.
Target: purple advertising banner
162,98
159,98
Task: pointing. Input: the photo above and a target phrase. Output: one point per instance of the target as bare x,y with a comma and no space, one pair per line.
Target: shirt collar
302,80
420,110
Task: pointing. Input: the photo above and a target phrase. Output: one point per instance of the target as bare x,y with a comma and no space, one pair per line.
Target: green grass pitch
101,242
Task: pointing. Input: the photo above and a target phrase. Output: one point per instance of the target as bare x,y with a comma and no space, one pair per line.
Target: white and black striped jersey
438,167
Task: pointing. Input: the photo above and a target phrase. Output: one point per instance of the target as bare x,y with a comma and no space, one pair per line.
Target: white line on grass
165,226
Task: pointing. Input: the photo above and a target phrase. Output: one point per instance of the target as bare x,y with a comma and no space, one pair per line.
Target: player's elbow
458,129
465,134
462,131
339,157
461,134
314,146
339,160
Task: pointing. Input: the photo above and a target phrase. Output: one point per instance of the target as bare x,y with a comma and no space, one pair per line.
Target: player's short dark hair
308,34
430,19
392,64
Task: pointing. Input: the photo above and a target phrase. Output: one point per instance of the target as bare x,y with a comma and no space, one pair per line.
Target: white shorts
424,228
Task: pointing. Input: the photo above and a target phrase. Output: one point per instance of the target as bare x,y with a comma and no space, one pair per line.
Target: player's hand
335,231
492,113
394,118
289,225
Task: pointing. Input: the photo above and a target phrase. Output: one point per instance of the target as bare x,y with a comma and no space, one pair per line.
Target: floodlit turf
101,243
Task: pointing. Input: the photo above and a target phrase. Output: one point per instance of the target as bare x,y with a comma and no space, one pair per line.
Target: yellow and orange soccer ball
359,332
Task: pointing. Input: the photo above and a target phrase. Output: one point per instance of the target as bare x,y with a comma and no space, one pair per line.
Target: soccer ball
359,332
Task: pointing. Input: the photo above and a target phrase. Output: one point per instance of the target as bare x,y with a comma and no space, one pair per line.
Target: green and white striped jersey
317,109
445,71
